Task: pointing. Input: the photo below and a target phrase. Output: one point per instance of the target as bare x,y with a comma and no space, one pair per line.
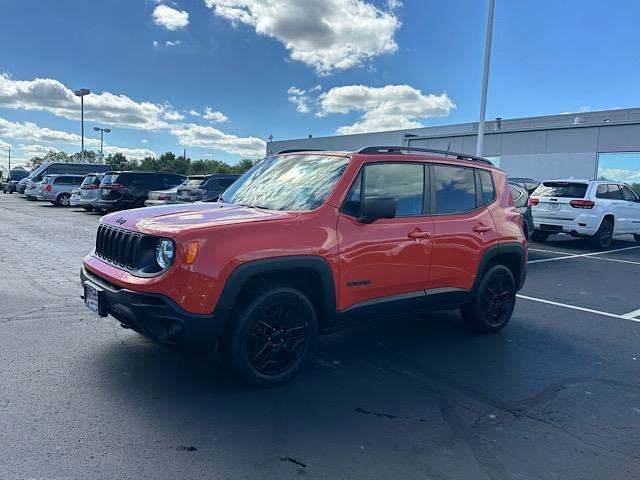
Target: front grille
118,246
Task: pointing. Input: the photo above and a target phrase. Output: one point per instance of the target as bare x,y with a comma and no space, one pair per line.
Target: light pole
81,93
102,132
485,80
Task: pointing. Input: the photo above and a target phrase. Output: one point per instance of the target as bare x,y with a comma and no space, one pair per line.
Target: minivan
59,168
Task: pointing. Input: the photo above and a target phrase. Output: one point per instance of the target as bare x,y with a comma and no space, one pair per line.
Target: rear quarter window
561,189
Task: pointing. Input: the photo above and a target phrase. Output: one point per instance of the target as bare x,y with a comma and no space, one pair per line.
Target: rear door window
486,182
561,189
455,189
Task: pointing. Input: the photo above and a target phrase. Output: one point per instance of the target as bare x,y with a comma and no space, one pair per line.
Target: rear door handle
482,228
419,234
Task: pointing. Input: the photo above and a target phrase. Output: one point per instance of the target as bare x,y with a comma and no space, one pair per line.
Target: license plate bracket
94,299
554,207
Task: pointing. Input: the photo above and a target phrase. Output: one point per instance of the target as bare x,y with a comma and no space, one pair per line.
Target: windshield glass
109,179
194,182
37,171
287,182
561,190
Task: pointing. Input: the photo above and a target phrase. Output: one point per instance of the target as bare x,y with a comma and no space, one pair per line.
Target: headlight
164,252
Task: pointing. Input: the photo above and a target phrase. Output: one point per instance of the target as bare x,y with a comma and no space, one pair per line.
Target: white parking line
549,251
632,315
582,309
614,260
582,255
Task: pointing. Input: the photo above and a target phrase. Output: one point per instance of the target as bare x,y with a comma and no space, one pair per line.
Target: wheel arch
310,274
510,254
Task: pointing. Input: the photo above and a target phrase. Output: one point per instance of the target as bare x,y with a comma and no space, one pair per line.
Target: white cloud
173,43
619,174
172,115
47,94
327,35
156,43
144,140
194,113
392,107
214,116
299,98
137,153
29,131
170,18
36,150
193,135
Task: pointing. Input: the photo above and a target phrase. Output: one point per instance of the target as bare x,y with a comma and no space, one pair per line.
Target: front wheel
604,236
493,302
538,236
270,337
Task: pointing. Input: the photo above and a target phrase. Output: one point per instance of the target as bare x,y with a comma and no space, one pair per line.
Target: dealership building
580,145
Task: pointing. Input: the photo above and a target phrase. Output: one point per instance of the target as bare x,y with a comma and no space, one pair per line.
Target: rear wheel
539,236
604,236
637,239
63,200
88,208
270,337
139,203
493,302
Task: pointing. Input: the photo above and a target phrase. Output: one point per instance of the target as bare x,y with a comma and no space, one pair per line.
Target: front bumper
156,316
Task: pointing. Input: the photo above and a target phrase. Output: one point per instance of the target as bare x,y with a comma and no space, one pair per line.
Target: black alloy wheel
270,338
495,298
604,236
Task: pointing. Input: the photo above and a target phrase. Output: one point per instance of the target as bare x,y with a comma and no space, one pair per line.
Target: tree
117,161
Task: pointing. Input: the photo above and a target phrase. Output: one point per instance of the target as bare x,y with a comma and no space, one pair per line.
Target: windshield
287,182
194,182
37,171
561,190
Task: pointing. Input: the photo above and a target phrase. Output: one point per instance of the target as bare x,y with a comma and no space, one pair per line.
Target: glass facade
620,167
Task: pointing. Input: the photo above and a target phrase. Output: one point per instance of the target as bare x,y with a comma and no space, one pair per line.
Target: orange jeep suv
306,242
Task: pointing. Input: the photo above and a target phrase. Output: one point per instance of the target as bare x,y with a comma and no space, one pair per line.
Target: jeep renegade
306,242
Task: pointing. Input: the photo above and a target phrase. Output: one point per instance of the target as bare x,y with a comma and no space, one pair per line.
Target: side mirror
374,208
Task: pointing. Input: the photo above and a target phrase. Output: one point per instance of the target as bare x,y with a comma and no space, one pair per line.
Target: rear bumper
584,224
156,316
153,203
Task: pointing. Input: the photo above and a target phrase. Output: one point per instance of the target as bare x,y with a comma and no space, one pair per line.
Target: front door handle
419,234
482,228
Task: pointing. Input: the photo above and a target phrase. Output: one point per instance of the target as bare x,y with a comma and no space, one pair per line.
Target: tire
88,209
492,306
265,345
602,239
539,236
139,203
637,239
63,200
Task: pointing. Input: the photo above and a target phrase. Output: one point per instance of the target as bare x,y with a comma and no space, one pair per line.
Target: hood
170,220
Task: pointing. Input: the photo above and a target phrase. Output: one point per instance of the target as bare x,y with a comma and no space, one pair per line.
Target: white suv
593,209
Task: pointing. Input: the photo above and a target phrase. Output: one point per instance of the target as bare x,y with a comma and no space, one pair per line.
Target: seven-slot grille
118,246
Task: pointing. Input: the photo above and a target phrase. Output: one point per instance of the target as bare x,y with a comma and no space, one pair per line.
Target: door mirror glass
374,208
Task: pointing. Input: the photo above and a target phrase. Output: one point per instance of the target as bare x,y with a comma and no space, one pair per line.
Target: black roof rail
294,150
446,153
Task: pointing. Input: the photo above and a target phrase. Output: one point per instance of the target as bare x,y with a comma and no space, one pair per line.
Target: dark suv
206,188
306,242
129,189
11,183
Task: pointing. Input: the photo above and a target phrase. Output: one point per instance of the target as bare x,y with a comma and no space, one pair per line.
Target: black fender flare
245,272
496,251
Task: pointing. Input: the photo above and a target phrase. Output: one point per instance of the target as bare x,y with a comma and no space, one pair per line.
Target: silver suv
90,191
57,188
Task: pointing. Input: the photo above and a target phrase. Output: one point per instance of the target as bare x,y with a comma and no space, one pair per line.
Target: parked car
39,173
21,186
529,184
306,242
205,188
74,201
130,189
523,206
592,209
57,188
10,185
164,197
90,190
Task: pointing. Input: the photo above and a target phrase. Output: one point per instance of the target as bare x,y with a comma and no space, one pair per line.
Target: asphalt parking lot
554,395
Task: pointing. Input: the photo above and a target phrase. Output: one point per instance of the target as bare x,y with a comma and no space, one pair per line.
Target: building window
620,167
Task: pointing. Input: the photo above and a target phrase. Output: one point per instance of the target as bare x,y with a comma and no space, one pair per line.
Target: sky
218,77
